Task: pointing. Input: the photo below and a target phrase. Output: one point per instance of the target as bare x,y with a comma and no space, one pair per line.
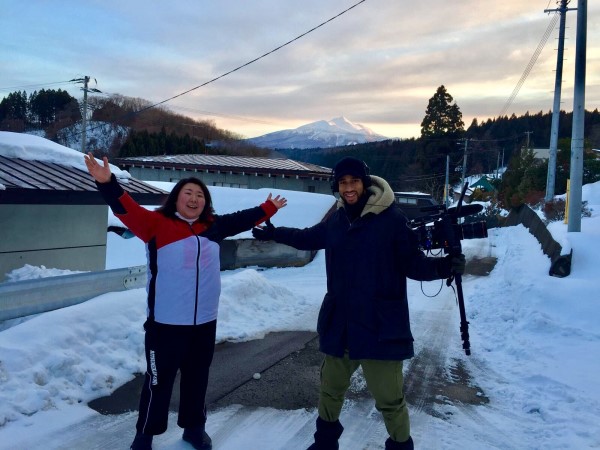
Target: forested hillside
150,130
420,164
134,127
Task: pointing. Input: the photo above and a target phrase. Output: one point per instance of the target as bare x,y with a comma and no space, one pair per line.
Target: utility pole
447,185
528,133
551,178
498,165
464,168
578,119
85,80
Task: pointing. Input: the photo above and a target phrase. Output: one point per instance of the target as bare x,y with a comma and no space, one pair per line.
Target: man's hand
264,233
457,263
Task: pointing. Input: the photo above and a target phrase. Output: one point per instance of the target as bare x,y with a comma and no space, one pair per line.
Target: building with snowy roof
231,171
51,213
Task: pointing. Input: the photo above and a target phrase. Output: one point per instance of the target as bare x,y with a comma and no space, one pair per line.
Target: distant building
231,171
457,193
483,184
541,153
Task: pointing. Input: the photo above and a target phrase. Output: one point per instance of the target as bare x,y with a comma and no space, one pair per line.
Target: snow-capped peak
323,133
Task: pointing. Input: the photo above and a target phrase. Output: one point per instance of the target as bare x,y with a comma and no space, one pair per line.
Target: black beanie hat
350,166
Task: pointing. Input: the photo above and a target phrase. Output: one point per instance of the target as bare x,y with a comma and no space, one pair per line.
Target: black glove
457,263
266,233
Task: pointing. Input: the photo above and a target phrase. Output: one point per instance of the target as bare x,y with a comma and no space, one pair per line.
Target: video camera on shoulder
441,229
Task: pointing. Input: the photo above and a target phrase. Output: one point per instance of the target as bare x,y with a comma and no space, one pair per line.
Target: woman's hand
100,173
278,201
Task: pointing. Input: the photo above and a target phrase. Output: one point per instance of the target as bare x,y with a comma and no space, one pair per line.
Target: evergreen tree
45,106
442,117
524,181
13,112
42,109
591,165
441,128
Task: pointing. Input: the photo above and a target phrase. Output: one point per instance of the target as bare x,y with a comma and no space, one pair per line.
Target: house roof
541,153
43,182
236,164
484,183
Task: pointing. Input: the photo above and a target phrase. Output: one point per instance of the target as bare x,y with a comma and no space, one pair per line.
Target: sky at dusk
376,64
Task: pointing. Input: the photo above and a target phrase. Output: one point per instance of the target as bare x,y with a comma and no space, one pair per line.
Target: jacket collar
382,196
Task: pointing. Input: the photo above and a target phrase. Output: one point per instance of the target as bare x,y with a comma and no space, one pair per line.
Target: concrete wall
526,216
248,181
250,252
560,265
71,237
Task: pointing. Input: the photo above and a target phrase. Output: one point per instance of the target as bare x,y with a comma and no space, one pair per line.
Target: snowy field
535,344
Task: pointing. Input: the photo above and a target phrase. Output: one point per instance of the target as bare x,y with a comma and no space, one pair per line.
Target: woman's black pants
170,348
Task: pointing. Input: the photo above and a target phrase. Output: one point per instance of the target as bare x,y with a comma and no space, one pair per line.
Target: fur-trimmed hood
382,196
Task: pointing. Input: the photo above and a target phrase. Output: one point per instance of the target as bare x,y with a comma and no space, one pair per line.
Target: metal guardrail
24,298
27,297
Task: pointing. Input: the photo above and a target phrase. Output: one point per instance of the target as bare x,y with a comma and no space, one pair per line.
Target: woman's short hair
169,207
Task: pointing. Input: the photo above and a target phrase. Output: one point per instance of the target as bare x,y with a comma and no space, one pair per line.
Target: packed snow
535,342
31,147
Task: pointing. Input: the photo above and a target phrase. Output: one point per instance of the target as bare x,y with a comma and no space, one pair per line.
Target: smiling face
351,188
190,201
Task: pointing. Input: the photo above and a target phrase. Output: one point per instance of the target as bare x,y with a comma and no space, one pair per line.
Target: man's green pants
384,381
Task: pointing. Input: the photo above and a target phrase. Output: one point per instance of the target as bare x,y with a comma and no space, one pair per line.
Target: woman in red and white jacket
182,245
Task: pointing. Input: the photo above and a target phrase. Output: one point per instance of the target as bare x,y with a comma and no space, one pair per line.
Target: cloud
378,63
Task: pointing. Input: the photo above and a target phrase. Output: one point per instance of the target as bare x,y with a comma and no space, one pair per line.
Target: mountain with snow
106,137
321,134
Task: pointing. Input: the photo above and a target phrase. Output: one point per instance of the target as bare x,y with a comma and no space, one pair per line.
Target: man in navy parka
370,251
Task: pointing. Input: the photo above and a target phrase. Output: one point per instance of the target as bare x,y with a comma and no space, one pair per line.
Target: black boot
197,437
141,442
327,435
393,445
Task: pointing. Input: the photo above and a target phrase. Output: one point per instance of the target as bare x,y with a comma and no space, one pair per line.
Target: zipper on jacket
197,275
351,223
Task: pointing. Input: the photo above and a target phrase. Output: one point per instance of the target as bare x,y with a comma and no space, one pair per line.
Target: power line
232,70
530,65
203,112
255,59
511,138
420,177
10,88
229,116
245,64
